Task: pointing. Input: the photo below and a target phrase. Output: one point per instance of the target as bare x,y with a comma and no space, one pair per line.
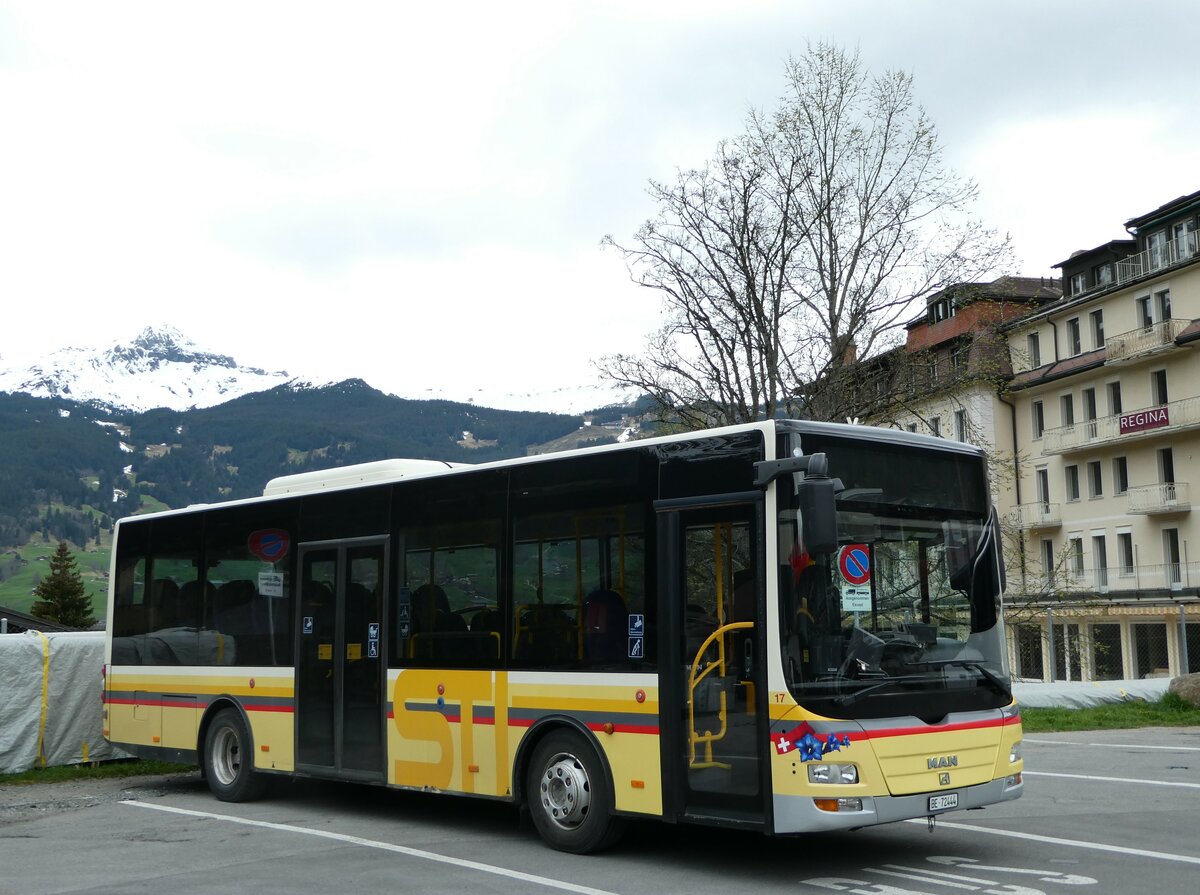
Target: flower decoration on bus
269,544
810,745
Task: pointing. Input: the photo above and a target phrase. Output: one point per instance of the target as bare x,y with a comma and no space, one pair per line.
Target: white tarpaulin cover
50,710
1085,694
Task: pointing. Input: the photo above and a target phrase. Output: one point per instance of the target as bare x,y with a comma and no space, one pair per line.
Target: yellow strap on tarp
45,695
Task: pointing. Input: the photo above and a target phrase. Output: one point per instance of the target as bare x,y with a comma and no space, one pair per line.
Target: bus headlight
832,773
1014,754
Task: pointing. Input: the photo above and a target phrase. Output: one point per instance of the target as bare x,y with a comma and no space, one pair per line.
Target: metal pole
1185,666
3,626
1050,639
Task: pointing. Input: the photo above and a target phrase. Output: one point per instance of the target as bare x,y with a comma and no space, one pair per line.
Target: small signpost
854,565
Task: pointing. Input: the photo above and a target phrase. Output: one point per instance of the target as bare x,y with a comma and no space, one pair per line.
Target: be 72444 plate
943,802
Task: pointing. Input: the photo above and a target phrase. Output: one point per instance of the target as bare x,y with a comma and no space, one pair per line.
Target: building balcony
1163,497
1177,251
1112,582
1040,515
1177,416
1139,343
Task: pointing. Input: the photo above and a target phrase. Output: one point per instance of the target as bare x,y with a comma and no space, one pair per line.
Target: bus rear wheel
228,760
569,795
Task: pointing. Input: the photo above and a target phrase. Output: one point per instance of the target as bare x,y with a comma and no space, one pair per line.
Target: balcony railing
1164,497
1114,581
1140,342
1177,251
1172,417
1039,515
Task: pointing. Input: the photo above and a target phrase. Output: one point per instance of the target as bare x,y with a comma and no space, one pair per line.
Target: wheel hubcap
227,756
565,791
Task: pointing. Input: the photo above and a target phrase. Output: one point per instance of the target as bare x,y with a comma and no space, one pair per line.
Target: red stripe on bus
179,704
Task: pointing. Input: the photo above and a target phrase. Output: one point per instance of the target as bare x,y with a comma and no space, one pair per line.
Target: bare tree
801,247
720,252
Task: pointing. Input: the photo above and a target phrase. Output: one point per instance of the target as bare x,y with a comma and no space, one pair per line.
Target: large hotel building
1086,392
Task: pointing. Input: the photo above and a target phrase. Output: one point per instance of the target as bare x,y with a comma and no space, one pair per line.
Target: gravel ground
20,802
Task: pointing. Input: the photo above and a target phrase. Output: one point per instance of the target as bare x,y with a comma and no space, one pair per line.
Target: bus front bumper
800,814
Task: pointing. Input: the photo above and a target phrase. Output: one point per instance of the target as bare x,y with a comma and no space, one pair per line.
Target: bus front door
340,664
713,567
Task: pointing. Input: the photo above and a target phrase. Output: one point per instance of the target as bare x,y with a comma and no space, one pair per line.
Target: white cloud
416,194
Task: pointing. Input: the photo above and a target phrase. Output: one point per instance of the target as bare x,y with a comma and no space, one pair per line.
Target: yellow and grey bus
784,626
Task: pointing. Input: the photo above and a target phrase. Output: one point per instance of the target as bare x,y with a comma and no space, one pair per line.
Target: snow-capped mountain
159,368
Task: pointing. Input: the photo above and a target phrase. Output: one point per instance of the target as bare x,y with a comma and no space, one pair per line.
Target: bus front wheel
228,760
569,795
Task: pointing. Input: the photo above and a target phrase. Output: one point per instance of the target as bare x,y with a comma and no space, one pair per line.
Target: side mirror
816,496
816,499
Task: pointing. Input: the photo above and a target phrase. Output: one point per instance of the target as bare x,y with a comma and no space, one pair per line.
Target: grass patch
1170,711
67,773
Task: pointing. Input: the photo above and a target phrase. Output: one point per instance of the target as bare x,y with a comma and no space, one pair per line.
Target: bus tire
569,796
229,759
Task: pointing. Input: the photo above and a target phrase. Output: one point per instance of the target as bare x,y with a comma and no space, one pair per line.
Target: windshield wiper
850,698
988,675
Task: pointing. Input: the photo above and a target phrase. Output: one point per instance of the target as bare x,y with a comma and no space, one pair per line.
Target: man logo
943,779
942,761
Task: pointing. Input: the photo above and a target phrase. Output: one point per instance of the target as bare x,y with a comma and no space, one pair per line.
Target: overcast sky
415,193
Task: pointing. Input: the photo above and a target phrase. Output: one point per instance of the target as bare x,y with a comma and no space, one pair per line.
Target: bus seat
545,634
164,604
605,626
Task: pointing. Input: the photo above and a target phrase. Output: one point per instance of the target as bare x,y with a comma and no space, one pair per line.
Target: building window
1089,411
1078,283
1162,304
1183,235
1043,488
1095,479
1103,274
1171,556
935,425
1033,346
1156,245
1039,419
1100,559
1097,318
911,427
960,425
1048,557
1072,476
1074,342
1166,466
1120,475
941,309
1067,404
1125,552
958,357
1145,315
1114,398
1158,387
1075,551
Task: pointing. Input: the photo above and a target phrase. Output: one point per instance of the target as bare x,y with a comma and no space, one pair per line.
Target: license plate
941,803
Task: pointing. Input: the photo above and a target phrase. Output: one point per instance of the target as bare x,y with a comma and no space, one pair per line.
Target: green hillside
68,470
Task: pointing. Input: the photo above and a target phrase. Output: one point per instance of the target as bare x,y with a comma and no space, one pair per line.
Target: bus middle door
339,672
711,566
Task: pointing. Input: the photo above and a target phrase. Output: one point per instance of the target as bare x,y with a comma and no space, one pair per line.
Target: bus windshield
903,616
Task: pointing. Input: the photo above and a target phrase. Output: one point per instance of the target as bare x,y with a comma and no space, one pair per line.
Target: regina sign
1141,420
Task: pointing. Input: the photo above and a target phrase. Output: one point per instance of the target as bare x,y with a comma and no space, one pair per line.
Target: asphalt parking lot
1104,812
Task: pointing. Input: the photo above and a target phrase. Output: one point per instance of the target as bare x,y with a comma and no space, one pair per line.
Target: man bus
784,626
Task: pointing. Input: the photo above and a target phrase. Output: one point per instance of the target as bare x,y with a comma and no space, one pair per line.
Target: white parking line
1138,780
383,846
1073,843
1041,742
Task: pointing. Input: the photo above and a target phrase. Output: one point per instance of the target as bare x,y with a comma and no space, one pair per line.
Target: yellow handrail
696,676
